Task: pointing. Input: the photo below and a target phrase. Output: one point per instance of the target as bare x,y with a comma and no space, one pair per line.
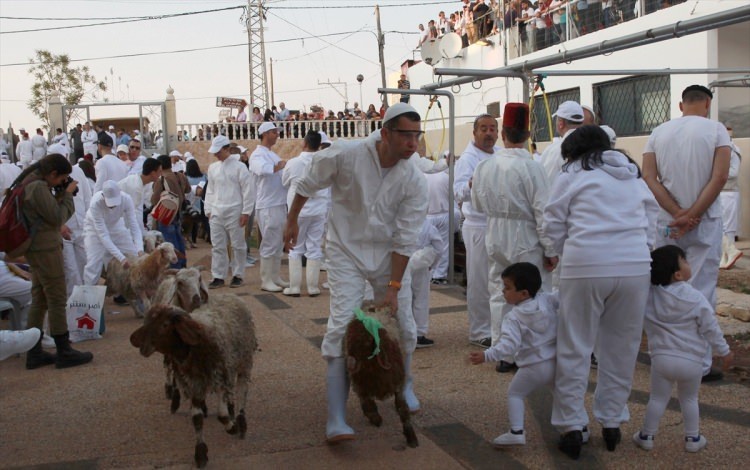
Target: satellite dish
450,45
430,51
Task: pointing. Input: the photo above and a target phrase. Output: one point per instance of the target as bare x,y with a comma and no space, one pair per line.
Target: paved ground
112,413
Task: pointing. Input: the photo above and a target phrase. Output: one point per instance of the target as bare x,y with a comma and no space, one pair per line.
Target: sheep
138,282
211,350
186,289
380,376
151,240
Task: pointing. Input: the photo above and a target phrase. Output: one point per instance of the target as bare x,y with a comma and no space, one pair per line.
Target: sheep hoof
204,408
168,391
375,419
411,437
233,430
242,423
175,405
201,455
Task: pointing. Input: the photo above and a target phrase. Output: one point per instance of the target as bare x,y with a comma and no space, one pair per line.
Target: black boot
38,357
66,355
612,437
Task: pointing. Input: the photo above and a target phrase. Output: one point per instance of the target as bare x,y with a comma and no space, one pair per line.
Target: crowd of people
569,255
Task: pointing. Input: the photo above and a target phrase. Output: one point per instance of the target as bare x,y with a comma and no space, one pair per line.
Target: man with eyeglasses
378,206
135,157
473,230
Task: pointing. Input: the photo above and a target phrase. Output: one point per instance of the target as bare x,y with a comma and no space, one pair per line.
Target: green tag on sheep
372,325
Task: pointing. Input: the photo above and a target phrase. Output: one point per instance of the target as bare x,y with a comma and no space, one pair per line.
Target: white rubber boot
312,273
724,253
276,274
337,392
266,275
295,277
411,399
733,254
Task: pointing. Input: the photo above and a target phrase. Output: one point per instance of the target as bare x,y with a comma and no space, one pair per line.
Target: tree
53,73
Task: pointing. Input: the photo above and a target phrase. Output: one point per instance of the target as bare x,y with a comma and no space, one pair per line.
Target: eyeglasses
409,134
134,148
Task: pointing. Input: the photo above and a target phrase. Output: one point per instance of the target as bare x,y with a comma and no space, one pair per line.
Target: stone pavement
112,413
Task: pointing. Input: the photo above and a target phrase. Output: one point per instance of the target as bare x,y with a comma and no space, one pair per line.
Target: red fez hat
516,116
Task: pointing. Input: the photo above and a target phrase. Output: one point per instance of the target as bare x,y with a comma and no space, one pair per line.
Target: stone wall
285,148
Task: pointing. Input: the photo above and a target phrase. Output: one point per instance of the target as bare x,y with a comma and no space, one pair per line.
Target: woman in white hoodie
680,324
600,217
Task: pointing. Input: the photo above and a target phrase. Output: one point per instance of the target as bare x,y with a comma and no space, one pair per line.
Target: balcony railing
353,129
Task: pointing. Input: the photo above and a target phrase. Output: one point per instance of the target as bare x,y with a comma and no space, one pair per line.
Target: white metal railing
290,129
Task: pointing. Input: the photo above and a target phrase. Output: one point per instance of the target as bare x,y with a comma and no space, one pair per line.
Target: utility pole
256,54
270,71
381,45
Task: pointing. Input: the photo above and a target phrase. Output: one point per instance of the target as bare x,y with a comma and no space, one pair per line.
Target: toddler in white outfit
528,333
680,325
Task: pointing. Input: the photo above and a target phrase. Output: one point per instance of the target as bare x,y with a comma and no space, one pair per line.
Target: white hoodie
602,221
529,332
680,322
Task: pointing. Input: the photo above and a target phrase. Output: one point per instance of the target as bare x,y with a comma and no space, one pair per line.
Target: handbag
168,206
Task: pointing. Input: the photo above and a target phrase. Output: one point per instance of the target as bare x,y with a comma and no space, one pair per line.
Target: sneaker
325,286
585,435
510,438
645,442
482,343
695,443
570,444
47,342
120,300
216,283
712,376
17,342
236,282
424,342
251,259
504,367
249,264
612,437
439,282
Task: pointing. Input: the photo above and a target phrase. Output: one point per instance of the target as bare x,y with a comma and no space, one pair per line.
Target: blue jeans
173,234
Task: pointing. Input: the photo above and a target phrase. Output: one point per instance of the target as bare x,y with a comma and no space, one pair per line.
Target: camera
62,187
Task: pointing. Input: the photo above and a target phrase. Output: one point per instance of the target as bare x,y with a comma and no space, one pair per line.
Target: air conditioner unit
493,109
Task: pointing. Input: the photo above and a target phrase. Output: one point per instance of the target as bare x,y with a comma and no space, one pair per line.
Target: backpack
168,206
15,230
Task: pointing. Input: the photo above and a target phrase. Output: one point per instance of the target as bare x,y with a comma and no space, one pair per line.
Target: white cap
4,157
324,139
397,110
189,156
56,148
22,130
111,126
570,110
175,153
611,133
589,109
242,149
111,192
137,132
122,148
267,126
217,144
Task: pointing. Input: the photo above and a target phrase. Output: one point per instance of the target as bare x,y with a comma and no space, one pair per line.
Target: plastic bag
85,312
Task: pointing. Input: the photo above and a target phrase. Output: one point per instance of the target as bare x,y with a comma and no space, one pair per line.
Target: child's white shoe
645,442
695,443
510,439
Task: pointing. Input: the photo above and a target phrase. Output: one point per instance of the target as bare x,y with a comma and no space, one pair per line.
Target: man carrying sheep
379,202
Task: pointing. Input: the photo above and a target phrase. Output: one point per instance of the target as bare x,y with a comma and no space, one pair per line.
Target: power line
335,7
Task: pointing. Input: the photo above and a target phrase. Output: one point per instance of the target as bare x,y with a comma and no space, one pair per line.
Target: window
539,115
633,106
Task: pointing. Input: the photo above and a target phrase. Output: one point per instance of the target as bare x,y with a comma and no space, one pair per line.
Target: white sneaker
249,264
17,342
509,439
48,342
645,442
325,285
695,443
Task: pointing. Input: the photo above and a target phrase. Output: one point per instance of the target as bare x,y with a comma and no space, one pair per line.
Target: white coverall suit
473,231
511,190
230,194
109,232
374,212
74,250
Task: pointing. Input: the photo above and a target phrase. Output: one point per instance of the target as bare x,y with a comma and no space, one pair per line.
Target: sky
300,66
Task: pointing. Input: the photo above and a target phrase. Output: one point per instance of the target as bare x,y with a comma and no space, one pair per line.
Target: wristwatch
394,284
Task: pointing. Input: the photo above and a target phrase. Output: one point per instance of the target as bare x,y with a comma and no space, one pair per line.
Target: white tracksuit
684,149
438,214
270,203
230,194
89,139
38,147
551,158
74,250
528,334
511,191
374,212
25,152
312,217
17,290
109,168
730,196
429,242
601,221
109,232
473,231
681,327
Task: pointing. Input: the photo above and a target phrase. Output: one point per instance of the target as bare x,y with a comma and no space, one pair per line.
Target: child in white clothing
680,325
419,267
529,333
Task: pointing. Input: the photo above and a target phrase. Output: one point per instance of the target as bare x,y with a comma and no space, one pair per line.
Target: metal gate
151,120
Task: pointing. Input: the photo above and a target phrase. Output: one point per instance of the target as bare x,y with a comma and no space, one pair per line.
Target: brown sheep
211,350
381,376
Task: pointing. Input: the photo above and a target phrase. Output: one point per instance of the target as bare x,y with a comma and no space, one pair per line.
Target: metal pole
576,73
270,70
381,45
250,50
451,169
650,36
263,53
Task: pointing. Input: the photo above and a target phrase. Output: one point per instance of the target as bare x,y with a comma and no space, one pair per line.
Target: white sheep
211,350
151,240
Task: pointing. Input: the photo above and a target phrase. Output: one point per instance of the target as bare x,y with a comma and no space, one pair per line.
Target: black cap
105,140
700,88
